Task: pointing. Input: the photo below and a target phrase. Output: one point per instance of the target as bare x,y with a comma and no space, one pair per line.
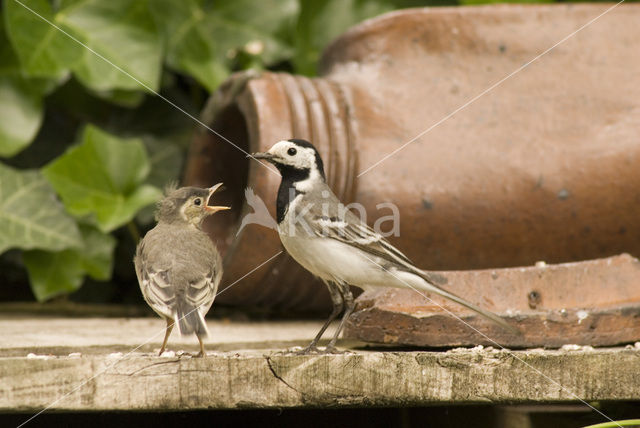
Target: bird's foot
314,350
311,349
331,349
200,354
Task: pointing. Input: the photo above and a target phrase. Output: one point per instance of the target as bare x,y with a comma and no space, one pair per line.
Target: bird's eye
292,151
197,201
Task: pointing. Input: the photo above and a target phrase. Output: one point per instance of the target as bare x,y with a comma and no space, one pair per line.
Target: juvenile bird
177,265
333,243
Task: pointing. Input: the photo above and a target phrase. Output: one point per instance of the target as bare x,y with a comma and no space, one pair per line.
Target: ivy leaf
54,273
188,45
101,178
9,63
125,98
166,155
43,50
122,32
20,114
204,43
30,215
97,255
21,109
258,27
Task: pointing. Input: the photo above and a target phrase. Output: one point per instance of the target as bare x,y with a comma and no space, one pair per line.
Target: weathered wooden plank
245,370
252,380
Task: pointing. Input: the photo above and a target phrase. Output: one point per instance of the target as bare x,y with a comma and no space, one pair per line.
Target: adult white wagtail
177,265
333,243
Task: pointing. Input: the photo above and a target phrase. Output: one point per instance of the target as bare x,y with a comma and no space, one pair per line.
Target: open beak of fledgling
213,208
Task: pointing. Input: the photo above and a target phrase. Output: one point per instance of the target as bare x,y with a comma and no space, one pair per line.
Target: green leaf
97,255
21,110
102,178
616,424
124,34
123,98
42,49
166,156
9,63
188,45
321,21
205,42
55,273
259,27
30,215
20,114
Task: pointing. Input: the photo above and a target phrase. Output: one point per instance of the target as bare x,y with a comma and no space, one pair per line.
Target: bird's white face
290,154
298,162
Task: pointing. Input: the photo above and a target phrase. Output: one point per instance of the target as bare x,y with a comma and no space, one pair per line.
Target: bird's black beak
266,156
214,209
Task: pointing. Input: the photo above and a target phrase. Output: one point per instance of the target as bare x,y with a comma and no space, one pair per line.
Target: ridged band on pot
543,166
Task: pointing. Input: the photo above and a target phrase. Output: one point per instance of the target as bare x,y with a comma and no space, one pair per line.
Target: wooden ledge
245,370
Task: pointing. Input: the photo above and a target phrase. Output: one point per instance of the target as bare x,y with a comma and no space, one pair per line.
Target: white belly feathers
334,261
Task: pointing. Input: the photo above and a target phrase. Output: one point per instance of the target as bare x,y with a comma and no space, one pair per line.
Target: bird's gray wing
201,291
327,217
358,235
330,219
155,284
210,263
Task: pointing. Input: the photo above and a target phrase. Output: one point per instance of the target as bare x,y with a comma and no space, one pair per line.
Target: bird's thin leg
347,297
202,351
336,298
166,334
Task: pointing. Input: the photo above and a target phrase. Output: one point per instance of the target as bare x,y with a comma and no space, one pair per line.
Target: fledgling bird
333,243
177,265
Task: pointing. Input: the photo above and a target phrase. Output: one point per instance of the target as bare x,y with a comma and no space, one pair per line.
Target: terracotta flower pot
543,166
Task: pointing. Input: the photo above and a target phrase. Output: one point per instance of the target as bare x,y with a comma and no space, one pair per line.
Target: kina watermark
323,217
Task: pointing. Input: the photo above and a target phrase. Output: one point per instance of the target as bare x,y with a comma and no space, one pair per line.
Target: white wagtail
177,265
333,243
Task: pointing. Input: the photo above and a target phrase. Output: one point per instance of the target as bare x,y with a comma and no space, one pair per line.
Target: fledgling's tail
189,320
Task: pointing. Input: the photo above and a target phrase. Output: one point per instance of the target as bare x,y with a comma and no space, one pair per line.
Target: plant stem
615,424
133,230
